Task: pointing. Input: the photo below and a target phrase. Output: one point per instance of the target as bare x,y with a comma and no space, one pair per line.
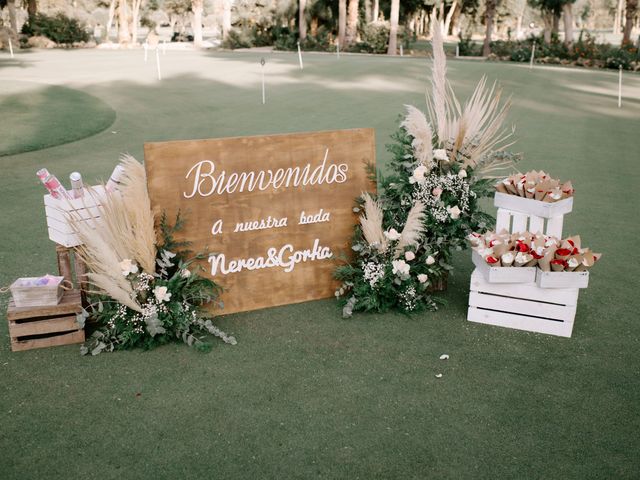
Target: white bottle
77,188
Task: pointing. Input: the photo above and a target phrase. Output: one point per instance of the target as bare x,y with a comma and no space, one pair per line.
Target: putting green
39,116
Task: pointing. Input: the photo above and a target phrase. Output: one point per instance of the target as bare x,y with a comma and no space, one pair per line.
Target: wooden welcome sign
272,210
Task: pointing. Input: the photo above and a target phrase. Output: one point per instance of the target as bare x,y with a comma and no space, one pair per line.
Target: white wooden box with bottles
59,210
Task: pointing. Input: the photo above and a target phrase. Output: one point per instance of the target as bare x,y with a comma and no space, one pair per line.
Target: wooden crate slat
519,322
554,226
536,224
70,303
39,327
562,279
519,223
530,206
503,220
53,341
560,296
522,306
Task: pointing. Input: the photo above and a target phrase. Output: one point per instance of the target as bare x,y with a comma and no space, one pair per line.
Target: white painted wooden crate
522,306
529,206
58,212
503,274
545,304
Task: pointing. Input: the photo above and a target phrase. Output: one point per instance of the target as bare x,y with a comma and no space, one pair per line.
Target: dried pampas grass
416,125
124,231
474,131
371,223
413,228
133,188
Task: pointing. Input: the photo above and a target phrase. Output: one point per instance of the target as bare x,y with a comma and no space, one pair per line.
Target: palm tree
342,21
376,11
226,17
123,22
393,30
632,6
489,14
352,22
197,6
302,21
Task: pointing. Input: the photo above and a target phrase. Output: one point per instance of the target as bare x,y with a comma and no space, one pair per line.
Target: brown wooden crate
168,165
39,327
70,303
52,341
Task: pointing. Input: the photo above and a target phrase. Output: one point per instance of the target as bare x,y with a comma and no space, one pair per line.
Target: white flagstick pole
620,87
264,97
300,57
158,63
401,51
145,45
338,50
533,52
457,50
10,47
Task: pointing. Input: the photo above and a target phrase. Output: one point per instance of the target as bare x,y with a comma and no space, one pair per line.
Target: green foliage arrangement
59,28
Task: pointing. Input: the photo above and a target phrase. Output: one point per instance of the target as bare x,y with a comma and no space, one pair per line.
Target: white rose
422,278
454,212
128,266
430,260
409,255
462,173
418,175
161,294
400,267
185,273
441,154
392,234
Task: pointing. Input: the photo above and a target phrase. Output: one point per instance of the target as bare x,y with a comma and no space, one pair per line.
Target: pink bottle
52,184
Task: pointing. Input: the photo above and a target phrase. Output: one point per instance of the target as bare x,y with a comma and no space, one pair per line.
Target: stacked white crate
543,302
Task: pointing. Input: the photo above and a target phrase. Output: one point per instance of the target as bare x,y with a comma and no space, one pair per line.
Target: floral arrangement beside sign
443,164
146,290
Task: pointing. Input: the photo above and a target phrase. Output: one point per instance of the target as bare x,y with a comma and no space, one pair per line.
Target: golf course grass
306,394
37,116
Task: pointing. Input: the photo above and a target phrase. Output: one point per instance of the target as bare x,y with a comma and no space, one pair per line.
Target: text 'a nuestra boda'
287,257
206,181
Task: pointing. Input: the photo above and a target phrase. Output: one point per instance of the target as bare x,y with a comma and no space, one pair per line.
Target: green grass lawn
306,394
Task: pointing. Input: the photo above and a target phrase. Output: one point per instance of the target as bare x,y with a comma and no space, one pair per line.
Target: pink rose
436,192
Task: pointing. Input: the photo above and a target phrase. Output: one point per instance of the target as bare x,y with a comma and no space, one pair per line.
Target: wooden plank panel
554,226
536,224
39,327
225,184
503,220
562,296
522,306
54,341
70,303
519,223
530,206
518,322
562,279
